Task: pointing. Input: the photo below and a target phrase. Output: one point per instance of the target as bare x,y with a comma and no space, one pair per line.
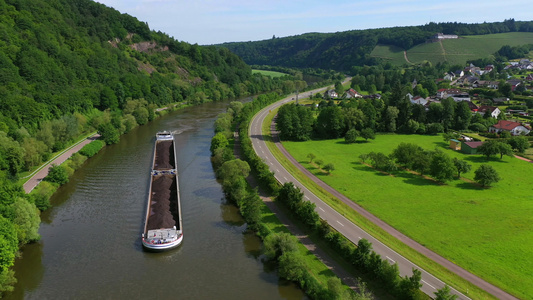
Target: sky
207,22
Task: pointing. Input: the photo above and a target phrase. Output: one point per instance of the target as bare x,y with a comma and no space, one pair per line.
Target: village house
449,76
419,100
351,93
514,83
500,100
486,83
492,110
473,107
331,94
514,128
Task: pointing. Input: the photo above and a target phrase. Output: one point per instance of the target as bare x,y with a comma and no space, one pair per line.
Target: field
272,74
455,51
487,231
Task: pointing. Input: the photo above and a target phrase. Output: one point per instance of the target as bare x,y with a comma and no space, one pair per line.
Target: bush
57,174
92,148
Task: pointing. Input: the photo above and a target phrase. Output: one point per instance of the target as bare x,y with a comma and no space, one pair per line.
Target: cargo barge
163,225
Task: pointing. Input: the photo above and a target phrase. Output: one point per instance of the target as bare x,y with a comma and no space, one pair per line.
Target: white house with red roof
351,93
514,128
492,110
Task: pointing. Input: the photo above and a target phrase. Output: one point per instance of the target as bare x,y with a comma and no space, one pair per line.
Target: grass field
456,51
272,74
487,231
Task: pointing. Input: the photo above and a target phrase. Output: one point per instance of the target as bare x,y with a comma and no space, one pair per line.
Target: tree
411,285
405,153
330,123
219,140
232,169
442,167
351,136
109,133
291,266
311,156
463,116
462,166
26,221
368,133
505,149
57,174
391,115
329,167
489,148
519,143
486,175
444,294
276,244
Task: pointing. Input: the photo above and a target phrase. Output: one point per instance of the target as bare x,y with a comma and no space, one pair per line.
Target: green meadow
272,74
487,231
455,51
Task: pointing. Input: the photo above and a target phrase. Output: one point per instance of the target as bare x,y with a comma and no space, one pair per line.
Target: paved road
41,174
352,231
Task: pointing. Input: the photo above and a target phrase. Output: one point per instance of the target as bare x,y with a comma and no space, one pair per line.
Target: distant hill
453,51
342,50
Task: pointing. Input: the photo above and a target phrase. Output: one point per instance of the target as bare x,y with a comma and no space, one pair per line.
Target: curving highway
430,283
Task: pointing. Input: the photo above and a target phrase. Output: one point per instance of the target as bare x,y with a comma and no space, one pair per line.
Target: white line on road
306,197
321,209
285,178
429,285
340,223
390,259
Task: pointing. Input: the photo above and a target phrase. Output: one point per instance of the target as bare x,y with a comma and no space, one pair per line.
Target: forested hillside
70,67
343,50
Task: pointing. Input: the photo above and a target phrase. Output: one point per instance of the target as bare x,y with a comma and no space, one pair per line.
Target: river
90,244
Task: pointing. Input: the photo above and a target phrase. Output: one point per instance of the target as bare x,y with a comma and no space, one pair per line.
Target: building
514,128
470,147
442,36
455,144
351,93
331,94
492,110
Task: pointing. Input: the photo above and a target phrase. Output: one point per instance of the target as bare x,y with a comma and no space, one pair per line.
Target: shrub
57,174
92,148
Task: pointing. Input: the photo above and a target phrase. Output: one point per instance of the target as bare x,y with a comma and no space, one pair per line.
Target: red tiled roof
485,108
506,125
473,145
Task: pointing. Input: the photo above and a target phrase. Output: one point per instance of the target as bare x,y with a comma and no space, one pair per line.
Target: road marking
286,178
262,151
321,209
429,285
390,259
340,223
360,238
306,197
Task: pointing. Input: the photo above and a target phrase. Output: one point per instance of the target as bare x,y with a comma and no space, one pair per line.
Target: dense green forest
343,50
71,67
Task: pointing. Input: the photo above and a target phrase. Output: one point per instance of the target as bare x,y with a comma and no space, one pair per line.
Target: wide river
90,245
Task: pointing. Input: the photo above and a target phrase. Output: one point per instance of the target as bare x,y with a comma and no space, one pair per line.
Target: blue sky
217,21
